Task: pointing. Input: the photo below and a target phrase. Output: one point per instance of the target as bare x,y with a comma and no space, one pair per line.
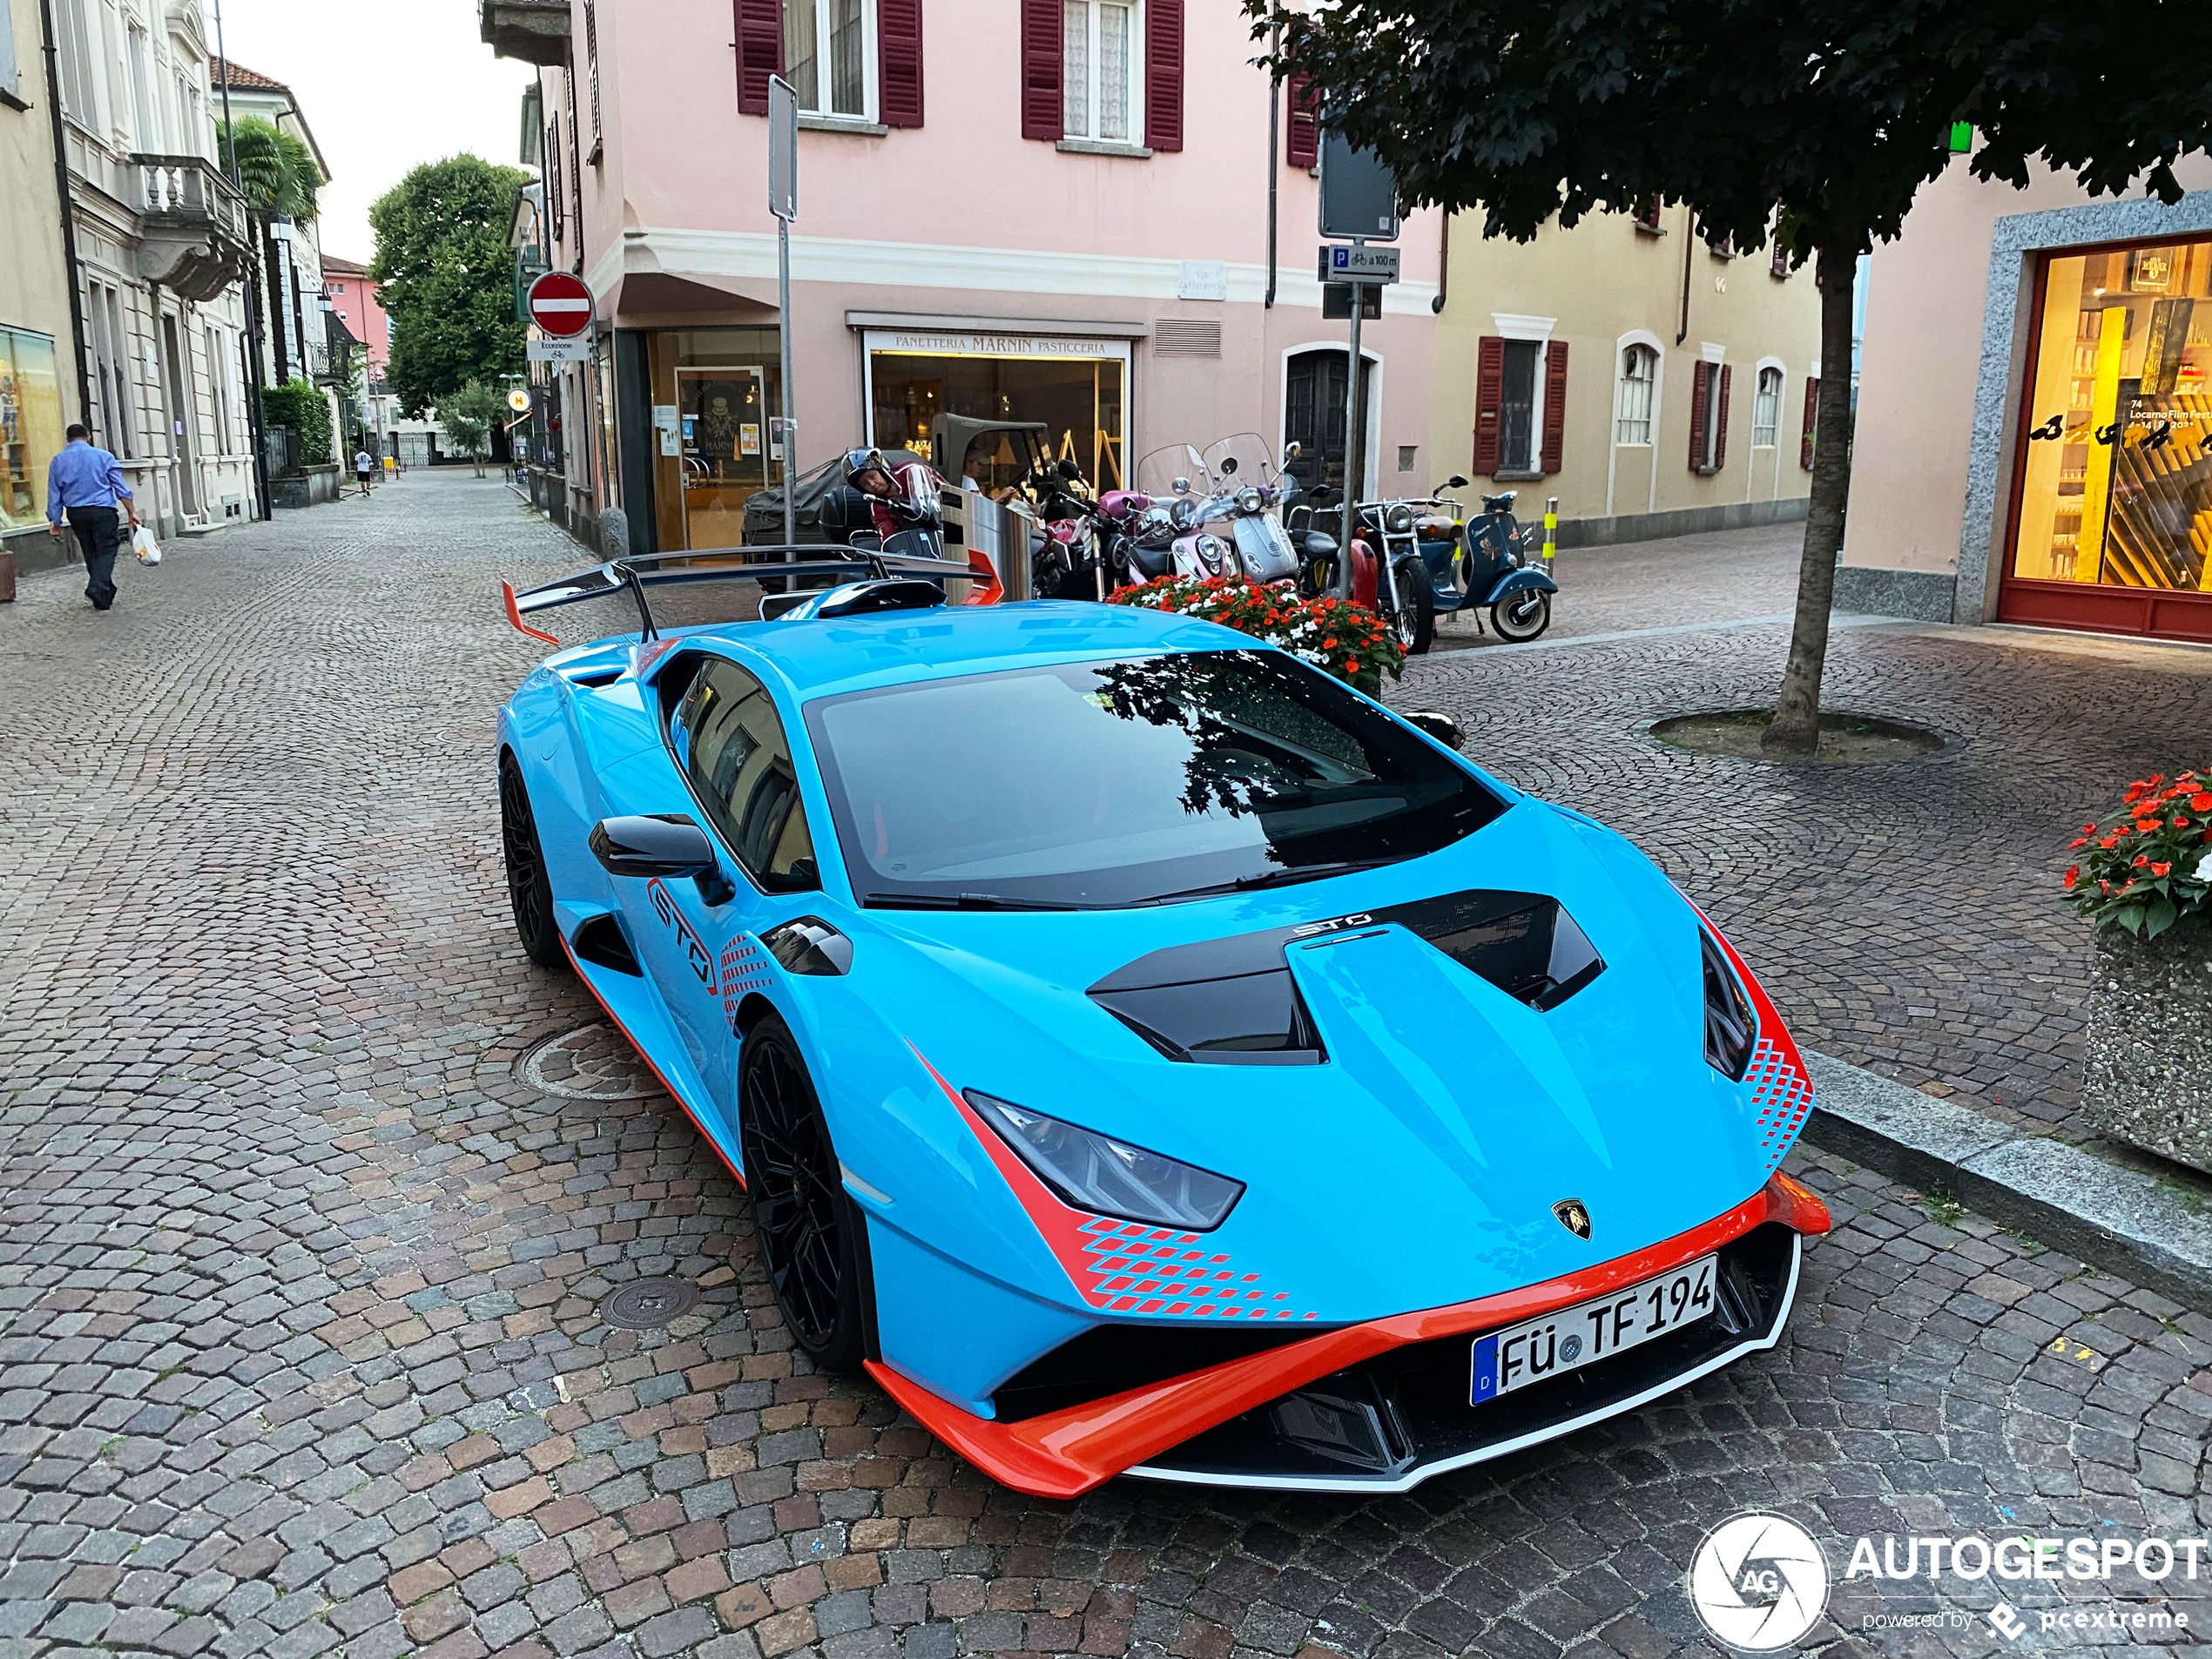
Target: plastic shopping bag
144,546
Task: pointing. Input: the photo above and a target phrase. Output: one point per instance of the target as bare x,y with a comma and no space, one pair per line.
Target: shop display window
1081,397
714,444
2116,479
31,425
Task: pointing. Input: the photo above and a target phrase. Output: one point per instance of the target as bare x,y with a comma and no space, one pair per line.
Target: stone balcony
535,30
192,234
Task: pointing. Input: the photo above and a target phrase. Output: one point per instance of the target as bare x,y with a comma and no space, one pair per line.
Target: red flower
2160,869
2104,886
2073,875
2145,826
2141,859
2179,822
2109,842
2079,840
2202,801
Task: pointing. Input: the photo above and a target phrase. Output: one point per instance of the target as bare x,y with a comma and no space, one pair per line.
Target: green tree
276,170
445,277
301,405
468,416
1815,122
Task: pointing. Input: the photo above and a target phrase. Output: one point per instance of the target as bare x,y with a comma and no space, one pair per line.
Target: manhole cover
648,1303
595,1063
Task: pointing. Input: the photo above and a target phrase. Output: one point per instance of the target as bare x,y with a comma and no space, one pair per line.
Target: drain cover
648,1303
593,1062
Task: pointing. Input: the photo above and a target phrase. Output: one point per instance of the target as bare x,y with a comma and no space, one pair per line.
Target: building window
1517,407
1647,215
1709,416
1100,71
827,48
2115,486
591,60
79,87
30,423
9,81
1779,266
1639,379
1766,409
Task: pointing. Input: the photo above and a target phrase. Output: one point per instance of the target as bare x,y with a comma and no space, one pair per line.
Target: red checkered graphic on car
745,968
1135,1269
1782,1094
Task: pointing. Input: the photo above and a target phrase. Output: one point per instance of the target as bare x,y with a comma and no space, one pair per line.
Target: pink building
353,297
1050,210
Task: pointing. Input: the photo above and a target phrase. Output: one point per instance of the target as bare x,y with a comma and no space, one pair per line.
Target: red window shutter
1163,74
1812,424
760,51
1720,438
1554,405
1302,142
1489,396
1041,64
898,57
1699,375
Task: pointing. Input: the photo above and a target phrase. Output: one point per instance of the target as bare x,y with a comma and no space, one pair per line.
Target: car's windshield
1129,782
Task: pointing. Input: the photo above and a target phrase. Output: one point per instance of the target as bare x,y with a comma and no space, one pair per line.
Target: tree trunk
1796,727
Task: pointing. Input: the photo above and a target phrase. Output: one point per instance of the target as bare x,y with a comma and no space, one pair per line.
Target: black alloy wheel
1523,616
528,889
1416,618
809,1230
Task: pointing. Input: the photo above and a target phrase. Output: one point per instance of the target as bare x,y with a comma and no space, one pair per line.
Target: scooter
1435,565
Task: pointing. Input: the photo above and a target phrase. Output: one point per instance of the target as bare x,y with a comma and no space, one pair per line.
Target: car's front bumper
1221,1424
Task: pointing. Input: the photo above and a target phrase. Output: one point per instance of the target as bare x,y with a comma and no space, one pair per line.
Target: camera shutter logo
1759,1581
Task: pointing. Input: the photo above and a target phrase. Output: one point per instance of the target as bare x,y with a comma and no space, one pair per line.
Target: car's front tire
809,1230
528,889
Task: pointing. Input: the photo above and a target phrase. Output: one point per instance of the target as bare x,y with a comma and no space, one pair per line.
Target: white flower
2204,868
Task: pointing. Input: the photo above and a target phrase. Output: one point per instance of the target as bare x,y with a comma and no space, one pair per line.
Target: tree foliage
1815,121
445,278
276,170
302,407
467,418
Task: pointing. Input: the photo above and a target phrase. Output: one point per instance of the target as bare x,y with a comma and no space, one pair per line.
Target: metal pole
1551,529
1274,166
791,425
1354,431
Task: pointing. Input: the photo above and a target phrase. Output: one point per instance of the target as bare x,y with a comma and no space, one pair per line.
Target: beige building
1654,386
2034,440
38,393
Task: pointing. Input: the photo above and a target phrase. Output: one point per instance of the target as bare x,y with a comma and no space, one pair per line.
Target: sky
383,88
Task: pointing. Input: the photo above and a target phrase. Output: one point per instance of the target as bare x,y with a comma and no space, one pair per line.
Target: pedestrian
364,465
85,482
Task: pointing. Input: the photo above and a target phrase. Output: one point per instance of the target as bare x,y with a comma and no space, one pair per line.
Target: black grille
1108,1359
600,940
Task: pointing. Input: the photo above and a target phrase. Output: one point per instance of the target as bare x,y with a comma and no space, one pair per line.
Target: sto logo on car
696,953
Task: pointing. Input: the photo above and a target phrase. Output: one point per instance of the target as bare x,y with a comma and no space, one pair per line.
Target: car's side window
732,743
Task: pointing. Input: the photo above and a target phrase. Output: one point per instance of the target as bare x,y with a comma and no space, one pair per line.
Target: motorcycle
1435,565
1065,557
1252,492
1171,533
1233,484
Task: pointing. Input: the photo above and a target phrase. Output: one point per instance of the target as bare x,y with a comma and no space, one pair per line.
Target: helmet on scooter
860,463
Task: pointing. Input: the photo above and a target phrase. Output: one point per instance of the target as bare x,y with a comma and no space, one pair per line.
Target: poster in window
749,438
717,410
2150,270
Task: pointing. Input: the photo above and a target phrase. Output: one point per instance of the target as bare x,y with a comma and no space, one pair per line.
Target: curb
2126,1220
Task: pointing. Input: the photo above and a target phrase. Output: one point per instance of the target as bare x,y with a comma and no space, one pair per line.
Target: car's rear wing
635,573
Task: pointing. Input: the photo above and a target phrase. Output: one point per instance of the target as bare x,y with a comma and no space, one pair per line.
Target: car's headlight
1730,1029
1094,1172
1399,519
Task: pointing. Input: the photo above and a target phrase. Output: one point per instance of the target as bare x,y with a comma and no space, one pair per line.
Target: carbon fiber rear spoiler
633,575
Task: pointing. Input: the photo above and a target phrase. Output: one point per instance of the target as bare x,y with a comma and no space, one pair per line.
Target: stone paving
306,1222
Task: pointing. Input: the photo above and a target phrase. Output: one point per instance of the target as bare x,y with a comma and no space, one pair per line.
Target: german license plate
1577,1336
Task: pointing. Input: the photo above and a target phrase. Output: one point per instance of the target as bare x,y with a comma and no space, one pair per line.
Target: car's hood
1420,1163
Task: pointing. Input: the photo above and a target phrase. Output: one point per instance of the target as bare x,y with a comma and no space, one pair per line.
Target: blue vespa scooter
1436,565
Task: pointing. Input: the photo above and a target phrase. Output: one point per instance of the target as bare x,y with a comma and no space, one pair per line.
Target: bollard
1551,528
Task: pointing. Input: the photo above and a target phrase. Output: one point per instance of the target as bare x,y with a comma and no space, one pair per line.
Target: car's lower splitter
1158,1427
1392,1421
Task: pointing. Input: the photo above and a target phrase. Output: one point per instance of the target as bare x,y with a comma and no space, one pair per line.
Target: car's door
730,744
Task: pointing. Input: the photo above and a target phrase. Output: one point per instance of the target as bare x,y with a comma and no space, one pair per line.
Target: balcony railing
189,192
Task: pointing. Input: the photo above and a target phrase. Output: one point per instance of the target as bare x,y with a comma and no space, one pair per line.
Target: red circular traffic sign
559,304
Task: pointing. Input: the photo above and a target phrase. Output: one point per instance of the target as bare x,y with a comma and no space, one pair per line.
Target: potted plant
1348,640
2145,880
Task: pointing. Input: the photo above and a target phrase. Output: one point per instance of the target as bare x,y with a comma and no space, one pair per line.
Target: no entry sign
559,304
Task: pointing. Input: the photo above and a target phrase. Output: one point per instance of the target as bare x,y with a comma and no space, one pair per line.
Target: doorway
177,394
726,443
1313,415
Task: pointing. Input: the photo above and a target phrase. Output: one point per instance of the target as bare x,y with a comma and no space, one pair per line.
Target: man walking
86,482
364,468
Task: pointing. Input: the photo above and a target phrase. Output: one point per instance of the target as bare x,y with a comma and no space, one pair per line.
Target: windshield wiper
1277,877
963,901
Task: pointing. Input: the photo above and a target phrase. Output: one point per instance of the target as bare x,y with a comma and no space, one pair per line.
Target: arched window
1639,374
1766,409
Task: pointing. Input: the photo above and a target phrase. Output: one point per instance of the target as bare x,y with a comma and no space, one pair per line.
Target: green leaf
2129,916
2159,916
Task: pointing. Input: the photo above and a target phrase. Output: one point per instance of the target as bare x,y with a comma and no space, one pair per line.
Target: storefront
30,426
712,443
1078,387
2110,526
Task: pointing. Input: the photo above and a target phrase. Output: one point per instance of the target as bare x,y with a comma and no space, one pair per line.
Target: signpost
560,305
1358,200
518,400
783,202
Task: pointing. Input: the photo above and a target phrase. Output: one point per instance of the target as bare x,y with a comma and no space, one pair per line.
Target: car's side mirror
662,844
1442,727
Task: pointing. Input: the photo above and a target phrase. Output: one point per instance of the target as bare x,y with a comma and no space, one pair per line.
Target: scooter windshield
1158,473
1241,459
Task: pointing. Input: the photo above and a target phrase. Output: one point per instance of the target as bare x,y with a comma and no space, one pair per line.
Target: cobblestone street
313,1252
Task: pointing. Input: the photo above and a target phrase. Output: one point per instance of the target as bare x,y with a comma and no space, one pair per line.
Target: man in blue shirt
86,481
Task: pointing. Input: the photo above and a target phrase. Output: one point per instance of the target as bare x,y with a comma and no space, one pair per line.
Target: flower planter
2149,1079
